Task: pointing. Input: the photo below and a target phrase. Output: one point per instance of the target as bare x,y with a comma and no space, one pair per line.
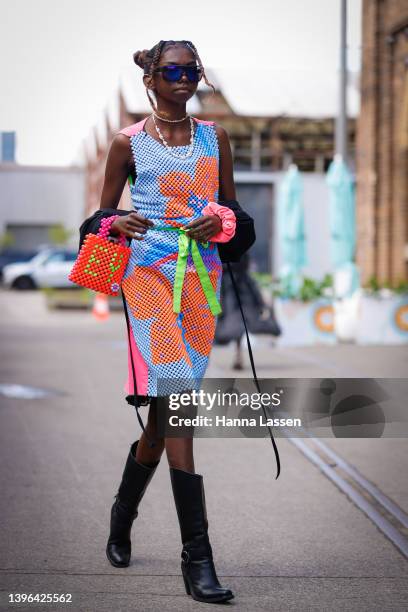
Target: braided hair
148,59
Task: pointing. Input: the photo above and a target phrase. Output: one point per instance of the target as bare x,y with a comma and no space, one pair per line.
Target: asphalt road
297,543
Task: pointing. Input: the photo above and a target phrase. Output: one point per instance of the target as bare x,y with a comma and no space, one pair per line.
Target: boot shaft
189,497
135,479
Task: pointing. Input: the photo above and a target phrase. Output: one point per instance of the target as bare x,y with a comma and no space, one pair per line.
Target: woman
179,167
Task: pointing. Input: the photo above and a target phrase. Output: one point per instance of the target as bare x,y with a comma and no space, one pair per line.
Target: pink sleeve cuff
228,220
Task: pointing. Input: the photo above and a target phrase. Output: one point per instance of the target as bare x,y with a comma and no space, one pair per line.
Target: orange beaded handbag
101,262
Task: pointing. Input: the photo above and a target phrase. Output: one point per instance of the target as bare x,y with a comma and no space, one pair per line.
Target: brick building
382,143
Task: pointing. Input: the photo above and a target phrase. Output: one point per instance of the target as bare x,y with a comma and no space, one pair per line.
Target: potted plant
306,315
383,312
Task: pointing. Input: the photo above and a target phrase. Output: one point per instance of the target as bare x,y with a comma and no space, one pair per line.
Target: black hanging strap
275,448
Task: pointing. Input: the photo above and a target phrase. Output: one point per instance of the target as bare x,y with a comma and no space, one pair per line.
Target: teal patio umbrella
291,231
342,223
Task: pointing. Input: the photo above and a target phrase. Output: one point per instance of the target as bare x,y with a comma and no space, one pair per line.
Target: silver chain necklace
169,149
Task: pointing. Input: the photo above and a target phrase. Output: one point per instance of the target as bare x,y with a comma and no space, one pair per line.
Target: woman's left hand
203,228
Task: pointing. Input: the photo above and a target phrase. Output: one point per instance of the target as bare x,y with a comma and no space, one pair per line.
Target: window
55,257
70,256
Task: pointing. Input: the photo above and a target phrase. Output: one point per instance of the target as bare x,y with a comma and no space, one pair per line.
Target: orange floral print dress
170,350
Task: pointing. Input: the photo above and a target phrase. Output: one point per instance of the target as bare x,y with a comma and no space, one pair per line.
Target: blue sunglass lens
192,74
174,73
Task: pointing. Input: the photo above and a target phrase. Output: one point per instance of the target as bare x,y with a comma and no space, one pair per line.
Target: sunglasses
174,72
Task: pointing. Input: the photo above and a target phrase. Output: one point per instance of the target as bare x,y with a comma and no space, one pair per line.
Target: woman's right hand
131,223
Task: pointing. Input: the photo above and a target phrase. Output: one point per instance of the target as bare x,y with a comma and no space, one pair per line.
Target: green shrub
374,286
310,289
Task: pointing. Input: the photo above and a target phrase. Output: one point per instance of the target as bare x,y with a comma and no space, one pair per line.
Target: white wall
42,195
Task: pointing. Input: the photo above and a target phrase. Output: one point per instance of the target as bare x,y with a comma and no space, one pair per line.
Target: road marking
15,391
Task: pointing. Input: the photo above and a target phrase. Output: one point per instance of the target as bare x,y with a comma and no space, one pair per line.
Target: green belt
184,242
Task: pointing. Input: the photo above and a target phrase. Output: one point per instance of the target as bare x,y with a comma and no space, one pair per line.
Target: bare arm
119,165
116,172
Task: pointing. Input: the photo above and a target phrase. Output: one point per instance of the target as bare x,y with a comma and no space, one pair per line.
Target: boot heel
197,566
187,586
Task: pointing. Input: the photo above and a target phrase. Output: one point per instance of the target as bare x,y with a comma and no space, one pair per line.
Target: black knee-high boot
197,566
135,479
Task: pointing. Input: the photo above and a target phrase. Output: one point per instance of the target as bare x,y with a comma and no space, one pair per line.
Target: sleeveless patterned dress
170,349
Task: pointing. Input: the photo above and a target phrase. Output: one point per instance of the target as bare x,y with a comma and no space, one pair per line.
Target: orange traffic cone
100,308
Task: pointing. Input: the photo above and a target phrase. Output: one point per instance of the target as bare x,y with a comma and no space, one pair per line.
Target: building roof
293,93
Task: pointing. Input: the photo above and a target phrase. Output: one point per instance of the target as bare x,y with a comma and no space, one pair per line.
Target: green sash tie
184,242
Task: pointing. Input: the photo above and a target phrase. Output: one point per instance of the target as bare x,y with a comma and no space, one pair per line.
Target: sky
60,60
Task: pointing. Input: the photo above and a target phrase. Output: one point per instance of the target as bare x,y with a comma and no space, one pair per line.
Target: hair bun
140,57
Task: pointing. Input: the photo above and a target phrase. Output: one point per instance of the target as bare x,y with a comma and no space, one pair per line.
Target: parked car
8,256
49,268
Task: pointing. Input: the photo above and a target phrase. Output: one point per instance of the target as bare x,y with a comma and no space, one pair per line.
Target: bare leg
180,453
238,362
179,448
144,453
